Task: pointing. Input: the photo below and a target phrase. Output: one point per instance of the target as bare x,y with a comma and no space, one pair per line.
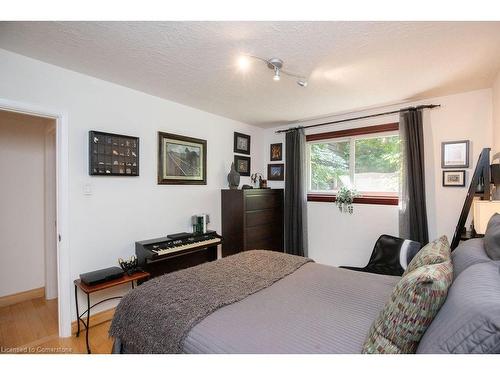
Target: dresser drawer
262,201
261,232
261,217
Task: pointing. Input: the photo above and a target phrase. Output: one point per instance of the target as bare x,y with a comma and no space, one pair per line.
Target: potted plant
345,198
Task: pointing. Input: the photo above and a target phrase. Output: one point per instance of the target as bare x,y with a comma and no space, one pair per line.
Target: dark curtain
295,194
413,212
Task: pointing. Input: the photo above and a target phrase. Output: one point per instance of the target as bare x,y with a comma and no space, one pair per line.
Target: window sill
382,200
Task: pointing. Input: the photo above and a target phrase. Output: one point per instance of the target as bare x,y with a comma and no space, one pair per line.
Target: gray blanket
157,316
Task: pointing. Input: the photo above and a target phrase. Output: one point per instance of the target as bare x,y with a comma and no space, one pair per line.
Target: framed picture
276,152
241,143
454,178
242,165
455,154
181,160
276,172
113,154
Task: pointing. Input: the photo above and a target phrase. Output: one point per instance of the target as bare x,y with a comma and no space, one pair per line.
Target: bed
311,308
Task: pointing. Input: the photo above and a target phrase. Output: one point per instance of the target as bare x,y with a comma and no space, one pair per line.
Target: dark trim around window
382,200
354,131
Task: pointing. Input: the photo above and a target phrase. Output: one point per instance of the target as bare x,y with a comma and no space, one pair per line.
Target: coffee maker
200,223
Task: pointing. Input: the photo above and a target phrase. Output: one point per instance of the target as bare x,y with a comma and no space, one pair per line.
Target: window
376,161
367,159
329,165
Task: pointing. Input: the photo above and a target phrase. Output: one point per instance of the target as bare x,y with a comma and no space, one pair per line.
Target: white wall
22,159
496,114
341,239
462,116
121,210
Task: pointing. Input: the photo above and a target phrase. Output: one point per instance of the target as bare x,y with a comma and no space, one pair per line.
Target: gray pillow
467,254
492,238
469,320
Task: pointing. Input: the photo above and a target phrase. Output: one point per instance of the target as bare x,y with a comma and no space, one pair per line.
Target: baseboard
22,296
95,319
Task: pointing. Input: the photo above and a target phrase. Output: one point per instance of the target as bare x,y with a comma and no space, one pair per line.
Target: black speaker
100,276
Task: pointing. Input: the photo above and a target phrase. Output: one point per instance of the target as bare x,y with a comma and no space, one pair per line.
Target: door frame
62,202
50,204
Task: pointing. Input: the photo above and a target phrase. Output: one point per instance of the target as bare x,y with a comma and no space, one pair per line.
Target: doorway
28,271
64,286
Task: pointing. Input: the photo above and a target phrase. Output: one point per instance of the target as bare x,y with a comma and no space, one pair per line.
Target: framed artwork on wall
276,152
454,178
455,154
113,154
276,172
242,165
241,143
181,160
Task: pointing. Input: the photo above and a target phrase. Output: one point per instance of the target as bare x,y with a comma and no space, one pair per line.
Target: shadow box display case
113,154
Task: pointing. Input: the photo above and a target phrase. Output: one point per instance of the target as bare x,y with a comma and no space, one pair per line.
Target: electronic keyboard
175,244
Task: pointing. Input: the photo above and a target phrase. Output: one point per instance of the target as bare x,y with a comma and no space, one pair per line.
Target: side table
89,289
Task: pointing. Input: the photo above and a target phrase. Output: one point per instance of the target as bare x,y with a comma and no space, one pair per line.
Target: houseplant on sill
345,198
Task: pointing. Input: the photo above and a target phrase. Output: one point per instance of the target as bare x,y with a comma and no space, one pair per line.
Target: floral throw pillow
415,301
437,251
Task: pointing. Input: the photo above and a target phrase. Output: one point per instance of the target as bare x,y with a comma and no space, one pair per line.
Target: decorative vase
233,178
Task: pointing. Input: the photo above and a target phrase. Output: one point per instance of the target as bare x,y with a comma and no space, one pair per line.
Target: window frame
382,198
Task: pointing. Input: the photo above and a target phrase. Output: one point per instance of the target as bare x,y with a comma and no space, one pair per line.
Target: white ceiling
350,65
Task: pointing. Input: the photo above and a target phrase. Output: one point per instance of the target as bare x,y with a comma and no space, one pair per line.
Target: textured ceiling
349,64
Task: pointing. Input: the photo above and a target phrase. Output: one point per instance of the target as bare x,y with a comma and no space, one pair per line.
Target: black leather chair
390,256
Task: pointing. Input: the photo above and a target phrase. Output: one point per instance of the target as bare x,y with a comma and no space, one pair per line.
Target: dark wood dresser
252,219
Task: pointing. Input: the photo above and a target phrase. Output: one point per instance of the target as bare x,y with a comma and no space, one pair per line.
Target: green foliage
329,161
379,155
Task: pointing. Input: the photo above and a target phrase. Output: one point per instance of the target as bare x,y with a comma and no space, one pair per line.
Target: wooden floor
31,327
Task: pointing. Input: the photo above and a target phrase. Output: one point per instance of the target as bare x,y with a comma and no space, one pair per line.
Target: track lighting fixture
274,64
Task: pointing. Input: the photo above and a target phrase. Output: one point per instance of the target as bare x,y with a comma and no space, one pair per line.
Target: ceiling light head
302,83
276,76
243,62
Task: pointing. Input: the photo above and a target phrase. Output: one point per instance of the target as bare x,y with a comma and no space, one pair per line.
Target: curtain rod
361,117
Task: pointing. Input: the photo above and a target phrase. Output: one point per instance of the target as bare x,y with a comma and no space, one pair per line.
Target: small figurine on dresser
257,178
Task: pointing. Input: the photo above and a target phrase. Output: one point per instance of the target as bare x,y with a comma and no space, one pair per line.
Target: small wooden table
89,289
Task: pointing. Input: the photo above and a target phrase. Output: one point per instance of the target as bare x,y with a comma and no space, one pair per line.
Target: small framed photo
241,143
455,154
454,178
242,165
276,172
181,160
276,152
